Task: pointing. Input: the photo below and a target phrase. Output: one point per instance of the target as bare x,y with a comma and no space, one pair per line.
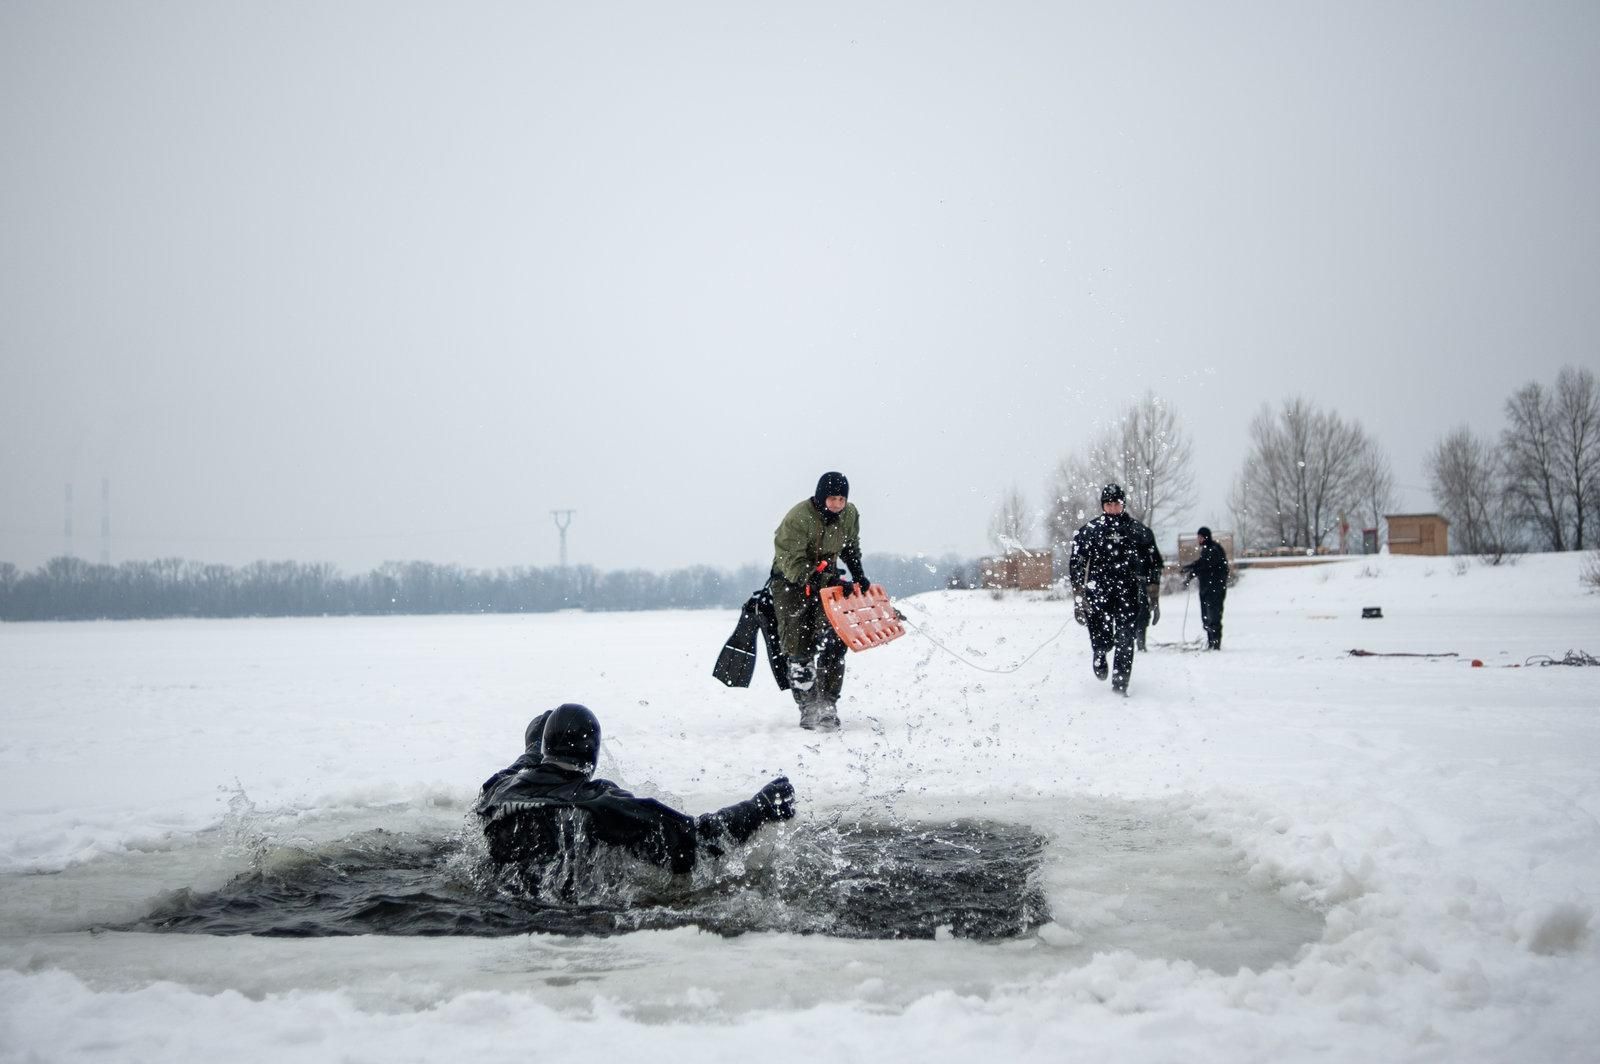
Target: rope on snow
972,664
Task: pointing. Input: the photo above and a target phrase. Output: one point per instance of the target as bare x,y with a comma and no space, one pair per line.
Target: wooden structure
1030,568
1189,547
1418,533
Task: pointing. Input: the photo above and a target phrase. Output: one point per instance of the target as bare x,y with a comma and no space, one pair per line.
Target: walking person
1211,569
1147,609
1115,571
811,539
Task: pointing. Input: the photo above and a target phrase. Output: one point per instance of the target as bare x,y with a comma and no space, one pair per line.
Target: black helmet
1204,533
533,736
831,484
1112,493
572,737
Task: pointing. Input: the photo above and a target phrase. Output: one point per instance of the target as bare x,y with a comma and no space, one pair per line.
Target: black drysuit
1114,560
1144,609
543,813
1211,569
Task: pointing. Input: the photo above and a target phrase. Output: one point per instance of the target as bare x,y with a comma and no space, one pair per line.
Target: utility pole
105,520
563,521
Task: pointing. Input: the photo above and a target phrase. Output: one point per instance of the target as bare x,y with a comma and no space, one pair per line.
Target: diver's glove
777,799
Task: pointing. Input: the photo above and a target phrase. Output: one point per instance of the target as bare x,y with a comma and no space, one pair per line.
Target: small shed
1028,568
1418,533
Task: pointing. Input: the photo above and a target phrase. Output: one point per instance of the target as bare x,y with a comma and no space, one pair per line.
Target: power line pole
105,520
563,521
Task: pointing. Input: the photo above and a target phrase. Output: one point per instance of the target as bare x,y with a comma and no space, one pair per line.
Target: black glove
863,585
777,799
1079,614
1155,610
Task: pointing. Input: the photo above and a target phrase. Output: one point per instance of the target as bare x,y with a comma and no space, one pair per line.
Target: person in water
546,806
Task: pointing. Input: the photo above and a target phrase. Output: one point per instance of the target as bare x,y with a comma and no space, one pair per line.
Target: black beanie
831,484
1204,533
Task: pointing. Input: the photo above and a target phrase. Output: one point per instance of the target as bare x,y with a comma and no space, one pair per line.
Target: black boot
803,685
1122,670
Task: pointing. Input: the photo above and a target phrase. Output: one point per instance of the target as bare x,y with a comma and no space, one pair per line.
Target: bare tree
1011,524
1375,490
1156,459
1466,477
1245,522
1303,471
1146,450
1577,432
1074,492
1528,453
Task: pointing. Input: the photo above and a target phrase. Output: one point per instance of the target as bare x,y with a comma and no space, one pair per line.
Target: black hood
829,484
572,737
533,736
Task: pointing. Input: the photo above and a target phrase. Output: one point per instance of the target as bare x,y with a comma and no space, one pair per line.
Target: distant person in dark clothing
1148,611
1211,568
1115,570
542,816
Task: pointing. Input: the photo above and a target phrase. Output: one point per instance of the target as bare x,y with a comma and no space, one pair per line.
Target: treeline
71,589
1309,476
1535,484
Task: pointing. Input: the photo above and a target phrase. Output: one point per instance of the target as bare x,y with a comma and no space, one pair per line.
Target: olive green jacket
803,539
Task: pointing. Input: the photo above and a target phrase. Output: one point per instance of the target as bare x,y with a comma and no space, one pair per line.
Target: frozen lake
256,833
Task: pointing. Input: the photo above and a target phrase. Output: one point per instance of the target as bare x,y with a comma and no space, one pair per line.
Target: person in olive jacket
1211,568
811,539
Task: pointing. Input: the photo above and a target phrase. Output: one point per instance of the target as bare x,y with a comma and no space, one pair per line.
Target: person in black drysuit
1115,570
547,812
1146,610
1211,569
532,752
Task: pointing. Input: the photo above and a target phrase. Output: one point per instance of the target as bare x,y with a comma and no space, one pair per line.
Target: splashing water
855,880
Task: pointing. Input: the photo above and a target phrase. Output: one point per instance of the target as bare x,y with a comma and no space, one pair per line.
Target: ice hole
1072,876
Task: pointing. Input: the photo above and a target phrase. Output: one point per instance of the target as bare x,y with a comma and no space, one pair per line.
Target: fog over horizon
367,282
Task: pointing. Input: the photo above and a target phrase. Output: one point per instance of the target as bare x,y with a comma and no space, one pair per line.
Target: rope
1573,657
1400,654
971,664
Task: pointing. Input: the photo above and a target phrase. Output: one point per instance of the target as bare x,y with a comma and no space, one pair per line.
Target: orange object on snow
862,621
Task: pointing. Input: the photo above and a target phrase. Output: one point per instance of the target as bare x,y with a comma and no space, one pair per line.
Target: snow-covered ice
1279,852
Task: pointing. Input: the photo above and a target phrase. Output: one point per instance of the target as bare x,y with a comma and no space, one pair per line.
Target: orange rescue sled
862,621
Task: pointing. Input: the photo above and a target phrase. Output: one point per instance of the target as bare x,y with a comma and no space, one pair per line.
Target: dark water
851,880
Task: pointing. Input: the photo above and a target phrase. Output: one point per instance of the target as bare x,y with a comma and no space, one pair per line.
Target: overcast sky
366,281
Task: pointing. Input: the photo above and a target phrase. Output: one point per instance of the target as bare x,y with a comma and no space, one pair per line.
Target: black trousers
1113,626
1211,614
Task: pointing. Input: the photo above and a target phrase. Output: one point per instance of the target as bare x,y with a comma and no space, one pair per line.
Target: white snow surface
1434,823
